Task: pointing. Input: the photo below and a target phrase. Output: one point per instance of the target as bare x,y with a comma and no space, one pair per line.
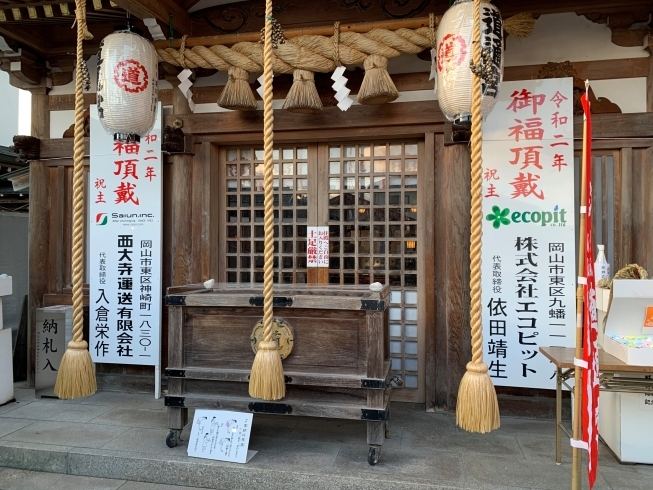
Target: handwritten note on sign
221,435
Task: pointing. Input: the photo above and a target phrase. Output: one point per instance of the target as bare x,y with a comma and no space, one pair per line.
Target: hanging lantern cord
267,379
76,376
477,409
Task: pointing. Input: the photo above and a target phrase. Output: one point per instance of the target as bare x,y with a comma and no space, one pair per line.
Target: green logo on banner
498,217
101,219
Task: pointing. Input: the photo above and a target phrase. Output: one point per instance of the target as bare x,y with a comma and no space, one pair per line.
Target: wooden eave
43,35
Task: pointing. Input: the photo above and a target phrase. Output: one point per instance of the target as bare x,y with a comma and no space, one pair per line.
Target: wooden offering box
339,366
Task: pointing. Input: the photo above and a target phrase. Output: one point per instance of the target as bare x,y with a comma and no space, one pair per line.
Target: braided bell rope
477,201
78,183
319,54
268,143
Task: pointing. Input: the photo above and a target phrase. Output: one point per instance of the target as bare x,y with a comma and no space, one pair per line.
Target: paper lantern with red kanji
127,84
454,53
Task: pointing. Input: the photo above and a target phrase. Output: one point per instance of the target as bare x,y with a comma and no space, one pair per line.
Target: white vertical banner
125,227
312,246
529,233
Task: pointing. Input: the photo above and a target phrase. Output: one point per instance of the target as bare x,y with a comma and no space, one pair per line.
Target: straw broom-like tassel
477,409
266,380
76,376
302,97
377,86
237,94
520,25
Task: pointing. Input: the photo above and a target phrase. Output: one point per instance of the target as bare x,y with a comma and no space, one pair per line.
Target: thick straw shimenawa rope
267,380
76,377
318,54
313,53
477,409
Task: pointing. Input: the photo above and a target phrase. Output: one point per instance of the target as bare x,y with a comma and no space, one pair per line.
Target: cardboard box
602,299
630,299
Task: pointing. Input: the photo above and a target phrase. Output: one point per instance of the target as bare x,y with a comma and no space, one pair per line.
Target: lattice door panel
242,179
373,237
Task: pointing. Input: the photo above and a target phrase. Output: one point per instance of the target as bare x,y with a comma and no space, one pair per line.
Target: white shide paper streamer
185,85
342,92
154,28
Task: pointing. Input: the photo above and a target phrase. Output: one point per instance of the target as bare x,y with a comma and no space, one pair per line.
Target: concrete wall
13,262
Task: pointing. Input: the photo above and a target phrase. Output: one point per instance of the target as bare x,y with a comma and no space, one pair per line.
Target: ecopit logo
101,219
499,217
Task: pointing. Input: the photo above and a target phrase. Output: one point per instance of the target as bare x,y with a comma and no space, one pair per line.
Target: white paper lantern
127,84
454,53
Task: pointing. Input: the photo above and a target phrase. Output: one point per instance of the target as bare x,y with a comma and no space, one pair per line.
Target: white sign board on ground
529,233
221,435
125,202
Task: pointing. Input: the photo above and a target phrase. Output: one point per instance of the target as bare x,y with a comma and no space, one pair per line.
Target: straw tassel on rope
477,409
237,94
377,86
76,376
266,379
315,53
302,97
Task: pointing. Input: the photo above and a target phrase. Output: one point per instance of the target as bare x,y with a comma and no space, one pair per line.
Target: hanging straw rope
266,379
477,409
336,43
76,377
319,54
432,33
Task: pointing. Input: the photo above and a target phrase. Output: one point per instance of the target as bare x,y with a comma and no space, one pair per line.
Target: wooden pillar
318,213
40,113
428,255
623,205
649,76
39,225
642,211
205,206
182,229
452,222
39,231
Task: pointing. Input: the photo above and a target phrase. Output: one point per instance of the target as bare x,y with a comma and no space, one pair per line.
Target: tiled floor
113,440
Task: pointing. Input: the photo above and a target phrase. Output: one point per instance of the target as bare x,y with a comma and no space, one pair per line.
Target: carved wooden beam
31,38
621,24
26,70
160,10
228,39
